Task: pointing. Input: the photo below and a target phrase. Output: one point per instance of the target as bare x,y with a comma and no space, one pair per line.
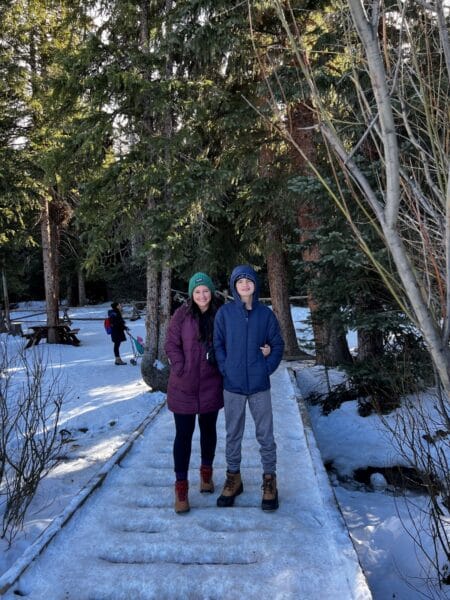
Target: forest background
143,141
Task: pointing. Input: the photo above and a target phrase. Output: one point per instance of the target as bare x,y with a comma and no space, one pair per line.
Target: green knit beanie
200,279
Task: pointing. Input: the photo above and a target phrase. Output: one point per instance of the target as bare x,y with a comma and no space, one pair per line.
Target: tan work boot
270,492
181,496
119,361
232,488
206,482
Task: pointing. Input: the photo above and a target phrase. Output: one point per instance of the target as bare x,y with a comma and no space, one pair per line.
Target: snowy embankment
382,520
103,404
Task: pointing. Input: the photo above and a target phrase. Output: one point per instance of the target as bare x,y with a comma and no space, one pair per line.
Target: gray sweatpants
260,405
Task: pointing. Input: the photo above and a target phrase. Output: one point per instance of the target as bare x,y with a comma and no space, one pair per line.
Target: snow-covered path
126,542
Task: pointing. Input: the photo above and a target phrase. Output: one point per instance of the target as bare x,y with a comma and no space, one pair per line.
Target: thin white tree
411,201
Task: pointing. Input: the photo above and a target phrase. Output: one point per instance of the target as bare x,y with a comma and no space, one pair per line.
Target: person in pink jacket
195,385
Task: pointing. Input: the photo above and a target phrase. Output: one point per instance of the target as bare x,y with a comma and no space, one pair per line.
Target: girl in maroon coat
195,385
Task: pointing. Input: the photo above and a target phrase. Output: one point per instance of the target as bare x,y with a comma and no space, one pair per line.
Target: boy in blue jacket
248,347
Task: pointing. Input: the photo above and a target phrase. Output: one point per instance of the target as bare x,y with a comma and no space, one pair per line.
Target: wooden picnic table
64,333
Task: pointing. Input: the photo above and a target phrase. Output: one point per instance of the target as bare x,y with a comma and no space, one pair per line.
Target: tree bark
279,292
154,368
151,319
329,336
6,320
81,287
370,341
151,324
276,265
69,293
370,344
164,309
51,281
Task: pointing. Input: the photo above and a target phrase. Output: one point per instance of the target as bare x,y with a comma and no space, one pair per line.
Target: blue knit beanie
200,279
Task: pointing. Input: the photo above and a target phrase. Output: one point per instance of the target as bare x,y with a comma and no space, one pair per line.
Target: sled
137,348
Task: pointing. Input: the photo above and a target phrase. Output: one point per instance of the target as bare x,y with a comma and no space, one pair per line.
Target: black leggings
185,425
116,349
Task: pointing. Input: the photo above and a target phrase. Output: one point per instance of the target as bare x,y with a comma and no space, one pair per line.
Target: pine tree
37,33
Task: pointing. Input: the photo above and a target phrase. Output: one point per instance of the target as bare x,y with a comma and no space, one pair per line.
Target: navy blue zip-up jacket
238,336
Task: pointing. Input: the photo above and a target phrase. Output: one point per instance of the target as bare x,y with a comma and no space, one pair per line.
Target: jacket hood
249,273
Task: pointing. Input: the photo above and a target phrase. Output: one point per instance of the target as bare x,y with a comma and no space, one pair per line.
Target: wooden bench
64,335
72,336
16,329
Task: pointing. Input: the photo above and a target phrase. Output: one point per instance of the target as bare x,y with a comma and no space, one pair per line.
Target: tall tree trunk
370,344
329,336
370,341
81,287
5,321
51,281
276,265
49,258
279,292
154,367
152,320
69,292
329,340
164,309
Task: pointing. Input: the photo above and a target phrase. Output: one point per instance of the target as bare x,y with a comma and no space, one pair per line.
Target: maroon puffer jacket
194,385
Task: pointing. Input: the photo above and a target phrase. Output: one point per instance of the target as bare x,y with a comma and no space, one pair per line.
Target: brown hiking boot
119,361
206,482
232,488
181,496
270,493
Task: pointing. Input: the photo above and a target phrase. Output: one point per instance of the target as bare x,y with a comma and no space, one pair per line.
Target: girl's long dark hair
206,319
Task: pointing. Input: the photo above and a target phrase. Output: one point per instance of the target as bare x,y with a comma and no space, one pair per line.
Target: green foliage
17,198
404,368
379,383
23,271
125,282
194,193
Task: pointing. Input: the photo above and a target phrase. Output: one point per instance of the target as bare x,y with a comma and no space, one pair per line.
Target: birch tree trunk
388,216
